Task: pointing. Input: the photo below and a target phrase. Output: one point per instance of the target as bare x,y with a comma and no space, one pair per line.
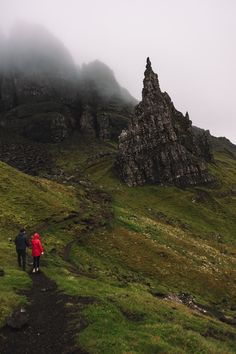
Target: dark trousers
36,262
21,256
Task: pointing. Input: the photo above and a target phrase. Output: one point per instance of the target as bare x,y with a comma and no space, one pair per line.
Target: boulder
18,319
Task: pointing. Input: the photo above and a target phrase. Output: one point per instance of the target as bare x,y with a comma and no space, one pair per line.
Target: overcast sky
191,43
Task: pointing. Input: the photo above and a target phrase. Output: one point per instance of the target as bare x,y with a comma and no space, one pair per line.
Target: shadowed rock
18,319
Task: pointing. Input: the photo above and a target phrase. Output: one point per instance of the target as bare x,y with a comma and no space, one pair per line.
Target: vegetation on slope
32,203
130,252
163,240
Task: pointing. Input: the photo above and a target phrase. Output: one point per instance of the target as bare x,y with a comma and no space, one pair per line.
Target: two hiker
22,243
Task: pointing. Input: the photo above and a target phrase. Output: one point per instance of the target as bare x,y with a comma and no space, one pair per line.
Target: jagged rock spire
149,64
158,146
150,83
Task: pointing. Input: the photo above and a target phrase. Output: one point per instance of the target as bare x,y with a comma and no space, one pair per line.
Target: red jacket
37,248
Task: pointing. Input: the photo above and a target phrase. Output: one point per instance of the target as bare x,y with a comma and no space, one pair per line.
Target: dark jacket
21,241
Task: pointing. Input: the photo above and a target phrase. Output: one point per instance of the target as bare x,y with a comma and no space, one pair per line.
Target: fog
191,44
33,49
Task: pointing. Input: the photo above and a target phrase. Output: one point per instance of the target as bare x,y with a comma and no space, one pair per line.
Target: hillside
38,205
163,242
144,269
158,261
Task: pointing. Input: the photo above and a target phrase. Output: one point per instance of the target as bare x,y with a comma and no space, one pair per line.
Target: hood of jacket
36,236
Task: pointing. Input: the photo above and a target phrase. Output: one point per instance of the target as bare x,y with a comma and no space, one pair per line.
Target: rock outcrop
159,147
29,157
42,122
104,121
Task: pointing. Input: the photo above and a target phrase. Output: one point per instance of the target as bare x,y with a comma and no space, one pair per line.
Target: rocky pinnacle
158,147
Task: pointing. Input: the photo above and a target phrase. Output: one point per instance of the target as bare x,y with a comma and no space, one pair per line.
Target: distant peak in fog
32,49
36,37
101,77
28,29
33,54
98,66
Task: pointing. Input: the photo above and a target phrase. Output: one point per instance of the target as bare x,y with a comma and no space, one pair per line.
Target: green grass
127,318
160,240
32,203
29,201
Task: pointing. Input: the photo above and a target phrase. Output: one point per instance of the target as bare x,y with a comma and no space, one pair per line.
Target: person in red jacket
37,250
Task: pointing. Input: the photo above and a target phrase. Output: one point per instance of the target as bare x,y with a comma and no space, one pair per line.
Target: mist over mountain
36,67
2,51
33,50
44,95
31,53
101,78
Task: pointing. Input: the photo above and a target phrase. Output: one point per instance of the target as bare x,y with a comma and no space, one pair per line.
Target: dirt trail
47,330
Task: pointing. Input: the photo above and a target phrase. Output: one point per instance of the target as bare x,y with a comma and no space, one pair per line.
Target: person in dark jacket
21,244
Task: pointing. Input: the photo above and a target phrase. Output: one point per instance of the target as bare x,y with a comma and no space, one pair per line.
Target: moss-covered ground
127,248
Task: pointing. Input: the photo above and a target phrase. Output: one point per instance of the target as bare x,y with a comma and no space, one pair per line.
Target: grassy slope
161,240
29,202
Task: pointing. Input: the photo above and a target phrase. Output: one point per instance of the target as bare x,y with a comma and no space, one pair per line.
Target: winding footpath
48,330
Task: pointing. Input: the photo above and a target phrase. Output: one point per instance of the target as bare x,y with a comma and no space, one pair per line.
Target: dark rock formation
219,144
159,146
44,96
203,142
37,85
44,122
104,121
29,157
106,107
87,123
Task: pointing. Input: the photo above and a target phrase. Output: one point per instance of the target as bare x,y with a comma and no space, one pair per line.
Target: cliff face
106,107
45,97
37,85
159,146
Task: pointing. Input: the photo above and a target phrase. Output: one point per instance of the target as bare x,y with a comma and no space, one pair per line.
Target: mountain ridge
40,70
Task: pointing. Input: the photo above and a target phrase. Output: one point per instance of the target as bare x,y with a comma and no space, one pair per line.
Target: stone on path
18,319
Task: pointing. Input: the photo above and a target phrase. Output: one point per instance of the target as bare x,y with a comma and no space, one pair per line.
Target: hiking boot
37,269
33,271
